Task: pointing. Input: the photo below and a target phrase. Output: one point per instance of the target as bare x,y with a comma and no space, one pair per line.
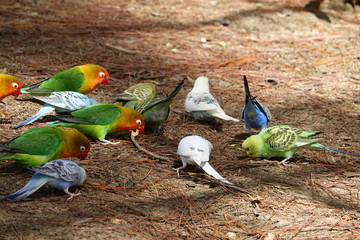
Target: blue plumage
60,101
255,115
60,174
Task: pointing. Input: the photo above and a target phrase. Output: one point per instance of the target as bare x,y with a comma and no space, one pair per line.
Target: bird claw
72,195
284,163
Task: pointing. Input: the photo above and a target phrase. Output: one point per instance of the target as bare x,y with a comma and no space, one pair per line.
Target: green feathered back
68,80
38,141
284,137
101,114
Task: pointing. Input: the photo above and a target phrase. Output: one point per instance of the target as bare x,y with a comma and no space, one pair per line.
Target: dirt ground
303,67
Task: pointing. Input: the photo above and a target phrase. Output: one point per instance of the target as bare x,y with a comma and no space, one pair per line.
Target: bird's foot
284,163
71,195
178,170
107,142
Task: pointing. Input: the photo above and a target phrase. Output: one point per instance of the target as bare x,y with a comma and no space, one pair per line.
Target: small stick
137,145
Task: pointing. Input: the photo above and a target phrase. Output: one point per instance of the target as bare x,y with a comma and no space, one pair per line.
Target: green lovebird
83,79
138,96
158,110
282,141
40,145
98,120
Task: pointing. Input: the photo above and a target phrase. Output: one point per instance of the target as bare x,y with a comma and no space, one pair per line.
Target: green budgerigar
138,96
283,141
158,110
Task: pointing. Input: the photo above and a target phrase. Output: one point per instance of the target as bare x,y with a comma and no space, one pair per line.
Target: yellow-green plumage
282,141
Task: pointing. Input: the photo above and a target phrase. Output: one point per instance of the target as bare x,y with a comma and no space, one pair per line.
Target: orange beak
16,93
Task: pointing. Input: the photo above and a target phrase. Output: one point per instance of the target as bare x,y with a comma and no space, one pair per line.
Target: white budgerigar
202,104
65,101
195,150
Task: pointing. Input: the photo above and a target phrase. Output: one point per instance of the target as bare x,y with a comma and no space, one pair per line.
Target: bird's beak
243,152
105,81
16,93
141,129
83,156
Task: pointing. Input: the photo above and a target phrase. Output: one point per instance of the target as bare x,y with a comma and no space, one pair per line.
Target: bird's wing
196,147
67,100
38,141
283,138
101,114
65,170
200,101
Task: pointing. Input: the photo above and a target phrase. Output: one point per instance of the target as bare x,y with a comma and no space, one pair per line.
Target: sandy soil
304,68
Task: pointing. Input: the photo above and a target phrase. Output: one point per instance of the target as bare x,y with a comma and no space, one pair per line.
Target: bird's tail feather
43,111
36,182
247,90
211,171
176,90
224,117
318,145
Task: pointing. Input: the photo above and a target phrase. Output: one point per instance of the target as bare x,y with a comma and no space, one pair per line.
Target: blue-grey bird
60,174
65,101
202,104
255,115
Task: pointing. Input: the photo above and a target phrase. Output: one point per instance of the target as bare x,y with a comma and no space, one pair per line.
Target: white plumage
195,150
202,104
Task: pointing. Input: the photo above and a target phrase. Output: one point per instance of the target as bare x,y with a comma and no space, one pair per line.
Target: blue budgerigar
60,174
60,101
255,115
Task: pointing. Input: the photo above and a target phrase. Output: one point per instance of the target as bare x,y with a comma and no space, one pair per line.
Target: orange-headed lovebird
9,85
83,79
98,120
40,145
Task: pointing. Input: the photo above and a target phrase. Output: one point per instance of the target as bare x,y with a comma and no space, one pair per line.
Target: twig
137,145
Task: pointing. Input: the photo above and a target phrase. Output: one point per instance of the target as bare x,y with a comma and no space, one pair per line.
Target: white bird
65,101
195,150
202,104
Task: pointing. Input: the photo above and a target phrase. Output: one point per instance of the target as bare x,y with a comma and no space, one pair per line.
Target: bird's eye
102,74
82,148
138,122
15,85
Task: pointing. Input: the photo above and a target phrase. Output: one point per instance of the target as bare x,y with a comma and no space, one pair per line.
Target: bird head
252,145
201,84
14,84
80,144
